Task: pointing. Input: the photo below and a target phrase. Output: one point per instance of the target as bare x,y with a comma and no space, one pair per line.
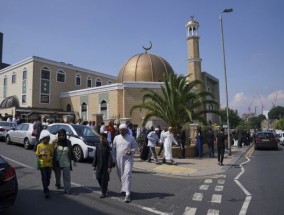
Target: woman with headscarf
62,160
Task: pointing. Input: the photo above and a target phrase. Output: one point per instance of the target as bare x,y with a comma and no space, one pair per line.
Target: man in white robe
124,146
167,139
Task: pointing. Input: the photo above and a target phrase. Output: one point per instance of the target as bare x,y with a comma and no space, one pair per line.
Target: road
152,194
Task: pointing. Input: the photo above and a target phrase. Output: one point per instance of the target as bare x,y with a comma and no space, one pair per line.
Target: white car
23,134
83,138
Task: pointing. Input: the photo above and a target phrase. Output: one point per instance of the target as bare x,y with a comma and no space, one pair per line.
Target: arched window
78,80
109,82
68,107
5,87
14,78
84,107
25,74
24,86
103,105
98,82
89,82
60,76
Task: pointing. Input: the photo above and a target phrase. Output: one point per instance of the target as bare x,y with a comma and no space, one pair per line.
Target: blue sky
102,35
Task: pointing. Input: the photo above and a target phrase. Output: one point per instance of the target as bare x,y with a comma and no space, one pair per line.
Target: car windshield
84,131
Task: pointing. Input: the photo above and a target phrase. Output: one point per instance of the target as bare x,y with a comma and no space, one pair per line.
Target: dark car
8,184
266,139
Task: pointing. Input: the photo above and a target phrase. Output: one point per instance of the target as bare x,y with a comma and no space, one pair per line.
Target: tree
179,102
276,113
233,118
255,122
280,124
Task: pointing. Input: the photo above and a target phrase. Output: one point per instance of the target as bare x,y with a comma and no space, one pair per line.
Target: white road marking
222,176
248,195
197,197
212,212
216,198
17,162
189,211
204,187
221,181
219,188
208,181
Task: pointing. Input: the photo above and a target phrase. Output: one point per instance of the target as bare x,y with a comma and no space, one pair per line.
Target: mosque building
59,91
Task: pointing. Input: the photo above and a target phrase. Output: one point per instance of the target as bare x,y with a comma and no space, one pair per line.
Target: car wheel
27,143
8,140
78,153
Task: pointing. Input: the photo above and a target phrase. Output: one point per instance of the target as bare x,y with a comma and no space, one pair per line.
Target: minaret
193,58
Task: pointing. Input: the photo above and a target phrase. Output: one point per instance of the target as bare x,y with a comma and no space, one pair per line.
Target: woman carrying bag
62,160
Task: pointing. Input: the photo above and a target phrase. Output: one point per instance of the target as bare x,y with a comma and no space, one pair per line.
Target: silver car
5,127
22,134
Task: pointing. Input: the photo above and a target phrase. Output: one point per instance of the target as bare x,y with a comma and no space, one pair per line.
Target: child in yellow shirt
44,152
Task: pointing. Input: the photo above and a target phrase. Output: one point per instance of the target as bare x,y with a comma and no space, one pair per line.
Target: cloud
257,103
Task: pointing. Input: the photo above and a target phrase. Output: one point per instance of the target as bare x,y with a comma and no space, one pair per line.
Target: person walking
210,139
152,140
124,146
44,153
37,128
161,143
199,142
62,159
182,138
102,163
167,139
221,146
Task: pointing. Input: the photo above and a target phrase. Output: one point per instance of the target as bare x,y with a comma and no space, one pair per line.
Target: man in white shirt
152,140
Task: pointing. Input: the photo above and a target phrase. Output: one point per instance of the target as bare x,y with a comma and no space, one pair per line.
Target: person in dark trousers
44,154
182,142
210,139
37,129
221,146
102,163
199,142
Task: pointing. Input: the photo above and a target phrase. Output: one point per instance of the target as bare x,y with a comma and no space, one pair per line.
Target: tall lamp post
225,73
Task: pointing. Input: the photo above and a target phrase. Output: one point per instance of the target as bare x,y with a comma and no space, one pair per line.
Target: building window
24,99
103,105
98,82
89,82
109,82
24,86
45,86
78,80
14,78
68,107
5,87
84,107
24,74
60,76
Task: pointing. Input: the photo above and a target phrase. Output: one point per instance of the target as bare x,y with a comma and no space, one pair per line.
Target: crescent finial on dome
146,49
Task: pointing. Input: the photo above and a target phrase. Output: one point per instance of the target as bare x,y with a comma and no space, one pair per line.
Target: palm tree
179,102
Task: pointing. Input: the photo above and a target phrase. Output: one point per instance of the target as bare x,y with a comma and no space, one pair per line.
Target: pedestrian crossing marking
216,198
219,188
189,211
221,181
208,181
204,187
212,212
197,197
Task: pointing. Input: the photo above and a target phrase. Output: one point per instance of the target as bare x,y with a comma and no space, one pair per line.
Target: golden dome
145,67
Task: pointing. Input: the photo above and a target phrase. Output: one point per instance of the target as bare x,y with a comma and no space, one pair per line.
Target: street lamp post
225,73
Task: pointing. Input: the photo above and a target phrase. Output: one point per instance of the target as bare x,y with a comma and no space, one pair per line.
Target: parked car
23,134
266,139
5,127
8,184
280,137
83,138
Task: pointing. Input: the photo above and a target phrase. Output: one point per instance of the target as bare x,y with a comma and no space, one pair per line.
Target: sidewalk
192,166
